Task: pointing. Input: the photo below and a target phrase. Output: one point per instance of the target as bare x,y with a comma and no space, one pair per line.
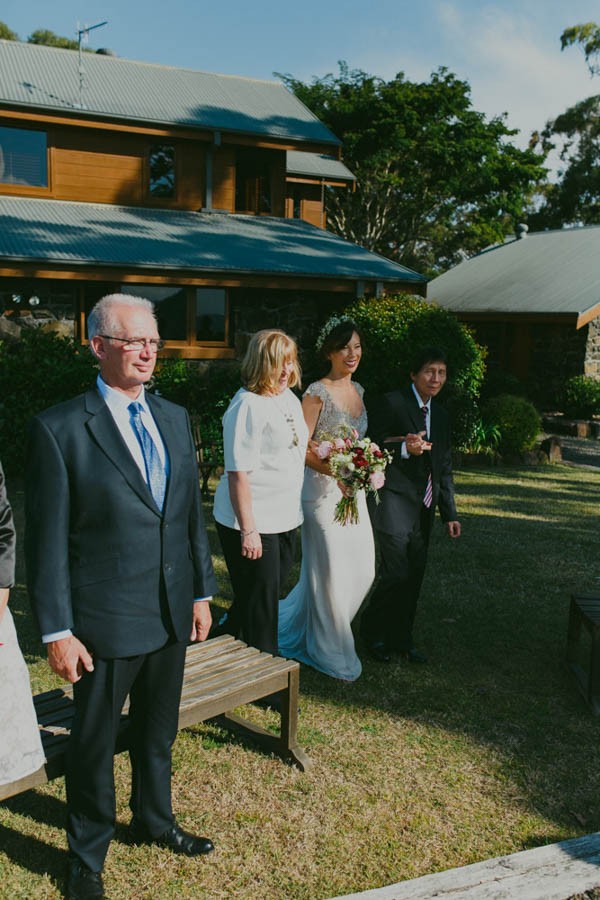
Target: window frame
151,199
190,348
30,190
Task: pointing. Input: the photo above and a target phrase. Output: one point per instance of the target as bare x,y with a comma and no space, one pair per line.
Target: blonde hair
267,353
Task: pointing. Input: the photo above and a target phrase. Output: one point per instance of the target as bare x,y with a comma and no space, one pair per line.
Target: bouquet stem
346,511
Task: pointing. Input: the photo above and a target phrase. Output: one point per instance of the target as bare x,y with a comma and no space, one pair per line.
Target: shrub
205,394
464,415
395,327
517,420
485,439
498,382
581,397
36,372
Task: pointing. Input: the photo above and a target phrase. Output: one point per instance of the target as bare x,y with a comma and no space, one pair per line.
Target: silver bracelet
246,533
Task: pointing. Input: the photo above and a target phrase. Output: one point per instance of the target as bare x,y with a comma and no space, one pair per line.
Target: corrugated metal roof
546,272
57,231
317,165
48,78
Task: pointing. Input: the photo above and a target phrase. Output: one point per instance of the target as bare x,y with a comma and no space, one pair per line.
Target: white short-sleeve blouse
265,436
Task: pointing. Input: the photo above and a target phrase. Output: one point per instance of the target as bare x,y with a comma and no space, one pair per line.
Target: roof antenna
82,38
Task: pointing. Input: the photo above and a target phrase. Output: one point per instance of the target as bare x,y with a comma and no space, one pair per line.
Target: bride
338,561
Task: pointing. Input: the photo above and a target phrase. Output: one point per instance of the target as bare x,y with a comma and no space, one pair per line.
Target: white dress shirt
426,420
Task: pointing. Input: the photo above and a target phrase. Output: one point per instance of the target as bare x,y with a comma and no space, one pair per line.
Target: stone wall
592,349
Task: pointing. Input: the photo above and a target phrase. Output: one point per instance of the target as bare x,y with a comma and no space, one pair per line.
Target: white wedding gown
20,744
338,565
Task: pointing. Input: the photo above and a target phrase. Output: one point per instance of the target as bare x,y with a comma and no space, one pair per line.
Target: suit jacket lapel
107,436
171,439
414,412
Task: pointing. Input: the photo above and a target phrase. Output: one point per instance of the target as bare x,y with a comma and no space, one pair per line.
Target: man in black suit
416,429
119,573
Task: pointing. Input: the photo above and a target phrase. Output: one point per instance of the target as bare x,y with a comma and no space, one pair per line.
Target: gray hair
102,318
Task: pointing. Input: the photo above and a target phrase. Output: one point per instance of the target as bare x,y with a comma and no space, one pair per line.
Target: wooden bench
209,456
584,615
220,674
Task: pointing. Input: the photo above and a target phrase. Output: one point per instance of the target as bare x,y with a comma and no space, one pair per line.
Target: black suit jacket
398,413
101,559
7,538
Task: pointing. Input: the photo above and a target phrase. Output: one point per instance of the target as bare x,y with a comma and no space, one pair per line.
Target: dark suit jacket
7,538
398,413
101,559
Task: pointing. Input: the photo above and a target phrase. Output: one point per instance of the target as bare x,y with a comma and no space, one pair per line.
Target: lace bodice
331,416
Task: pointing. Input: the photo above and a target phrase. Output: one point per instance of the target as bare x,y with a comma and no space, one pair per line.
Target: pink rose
339,444
377,480
324,449
374,447
355,434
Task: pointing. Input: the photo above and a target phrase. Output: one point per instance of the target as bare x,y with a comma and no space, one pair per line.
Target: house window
211,315
23,157
252,181
188,317
170,303
39,303
161,161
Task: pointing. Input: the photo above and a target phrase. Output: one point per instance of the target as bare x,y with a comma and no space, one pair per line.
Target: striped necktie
428,497
156,477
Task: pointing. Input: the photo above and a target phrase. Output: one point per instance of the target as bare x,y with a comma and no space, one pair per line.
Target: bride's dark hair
338,337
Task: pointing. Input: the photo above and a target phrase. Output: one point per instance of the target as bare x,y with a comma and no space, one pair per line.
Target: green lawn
486,751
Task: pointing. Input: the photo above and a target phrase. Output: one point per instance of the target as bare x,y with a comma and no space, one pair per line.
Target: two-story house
203,192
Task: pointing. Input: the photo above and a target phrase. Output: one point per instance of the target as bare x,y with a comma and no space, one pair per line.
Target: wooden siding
104,167
311,202
21,118
96,169
224,178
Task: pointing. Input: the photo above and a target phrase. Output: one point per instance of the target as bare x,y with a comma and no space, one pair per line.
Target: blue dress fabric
338,564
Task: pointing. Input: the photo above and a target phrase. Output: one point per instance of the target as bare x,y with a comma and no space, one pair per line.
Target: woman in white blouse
257,502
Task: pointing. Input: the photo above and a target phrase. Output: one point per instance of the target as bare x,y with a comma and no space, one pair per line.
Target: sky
508,50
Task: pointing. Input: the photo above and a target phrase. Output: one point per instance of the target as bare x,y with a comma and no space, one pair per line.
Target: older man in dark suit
119,572
416,428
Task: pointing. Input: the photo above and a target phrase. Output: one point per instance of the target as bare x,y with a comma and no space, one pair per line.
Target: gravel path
580,451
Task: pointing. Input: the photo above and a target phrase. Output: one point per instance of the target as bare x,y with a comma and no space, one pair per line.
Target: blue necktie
155,471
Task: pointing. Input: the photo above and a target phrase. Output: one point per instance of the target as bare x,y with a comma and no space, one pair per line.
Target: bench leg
594,677
574,632
289,723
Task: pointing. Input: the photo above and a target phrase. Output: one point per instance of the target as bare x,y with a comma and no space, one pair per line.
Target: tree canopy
575,135
436,180
39,36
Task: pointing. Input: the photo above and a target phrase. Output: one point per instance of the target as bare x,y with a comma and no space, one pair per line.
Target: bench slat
220,675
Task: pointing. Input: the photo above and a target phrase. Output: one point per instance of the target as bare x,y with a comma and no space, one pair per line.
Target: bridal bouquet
359,465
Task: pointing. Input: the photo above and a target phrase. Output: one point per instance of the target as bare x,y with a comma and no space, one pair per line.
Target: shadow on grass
493,620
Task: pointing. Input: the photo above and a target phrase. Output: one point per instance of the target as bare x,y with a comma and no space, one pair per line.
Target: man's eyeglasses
155,344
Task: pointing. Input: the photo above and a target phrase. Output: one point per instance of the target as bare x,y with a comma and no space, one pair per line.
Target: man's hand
202,621
417,444
68,657
453,529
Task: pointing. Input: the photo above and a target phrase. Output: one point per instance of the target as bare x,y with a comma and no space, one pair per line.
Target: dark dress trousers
401,521
103,561
7,538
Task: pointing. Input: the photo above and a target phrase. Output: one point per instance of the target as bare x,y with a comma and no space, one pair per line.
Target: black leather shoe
175,839
413,656
82,883
380,652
